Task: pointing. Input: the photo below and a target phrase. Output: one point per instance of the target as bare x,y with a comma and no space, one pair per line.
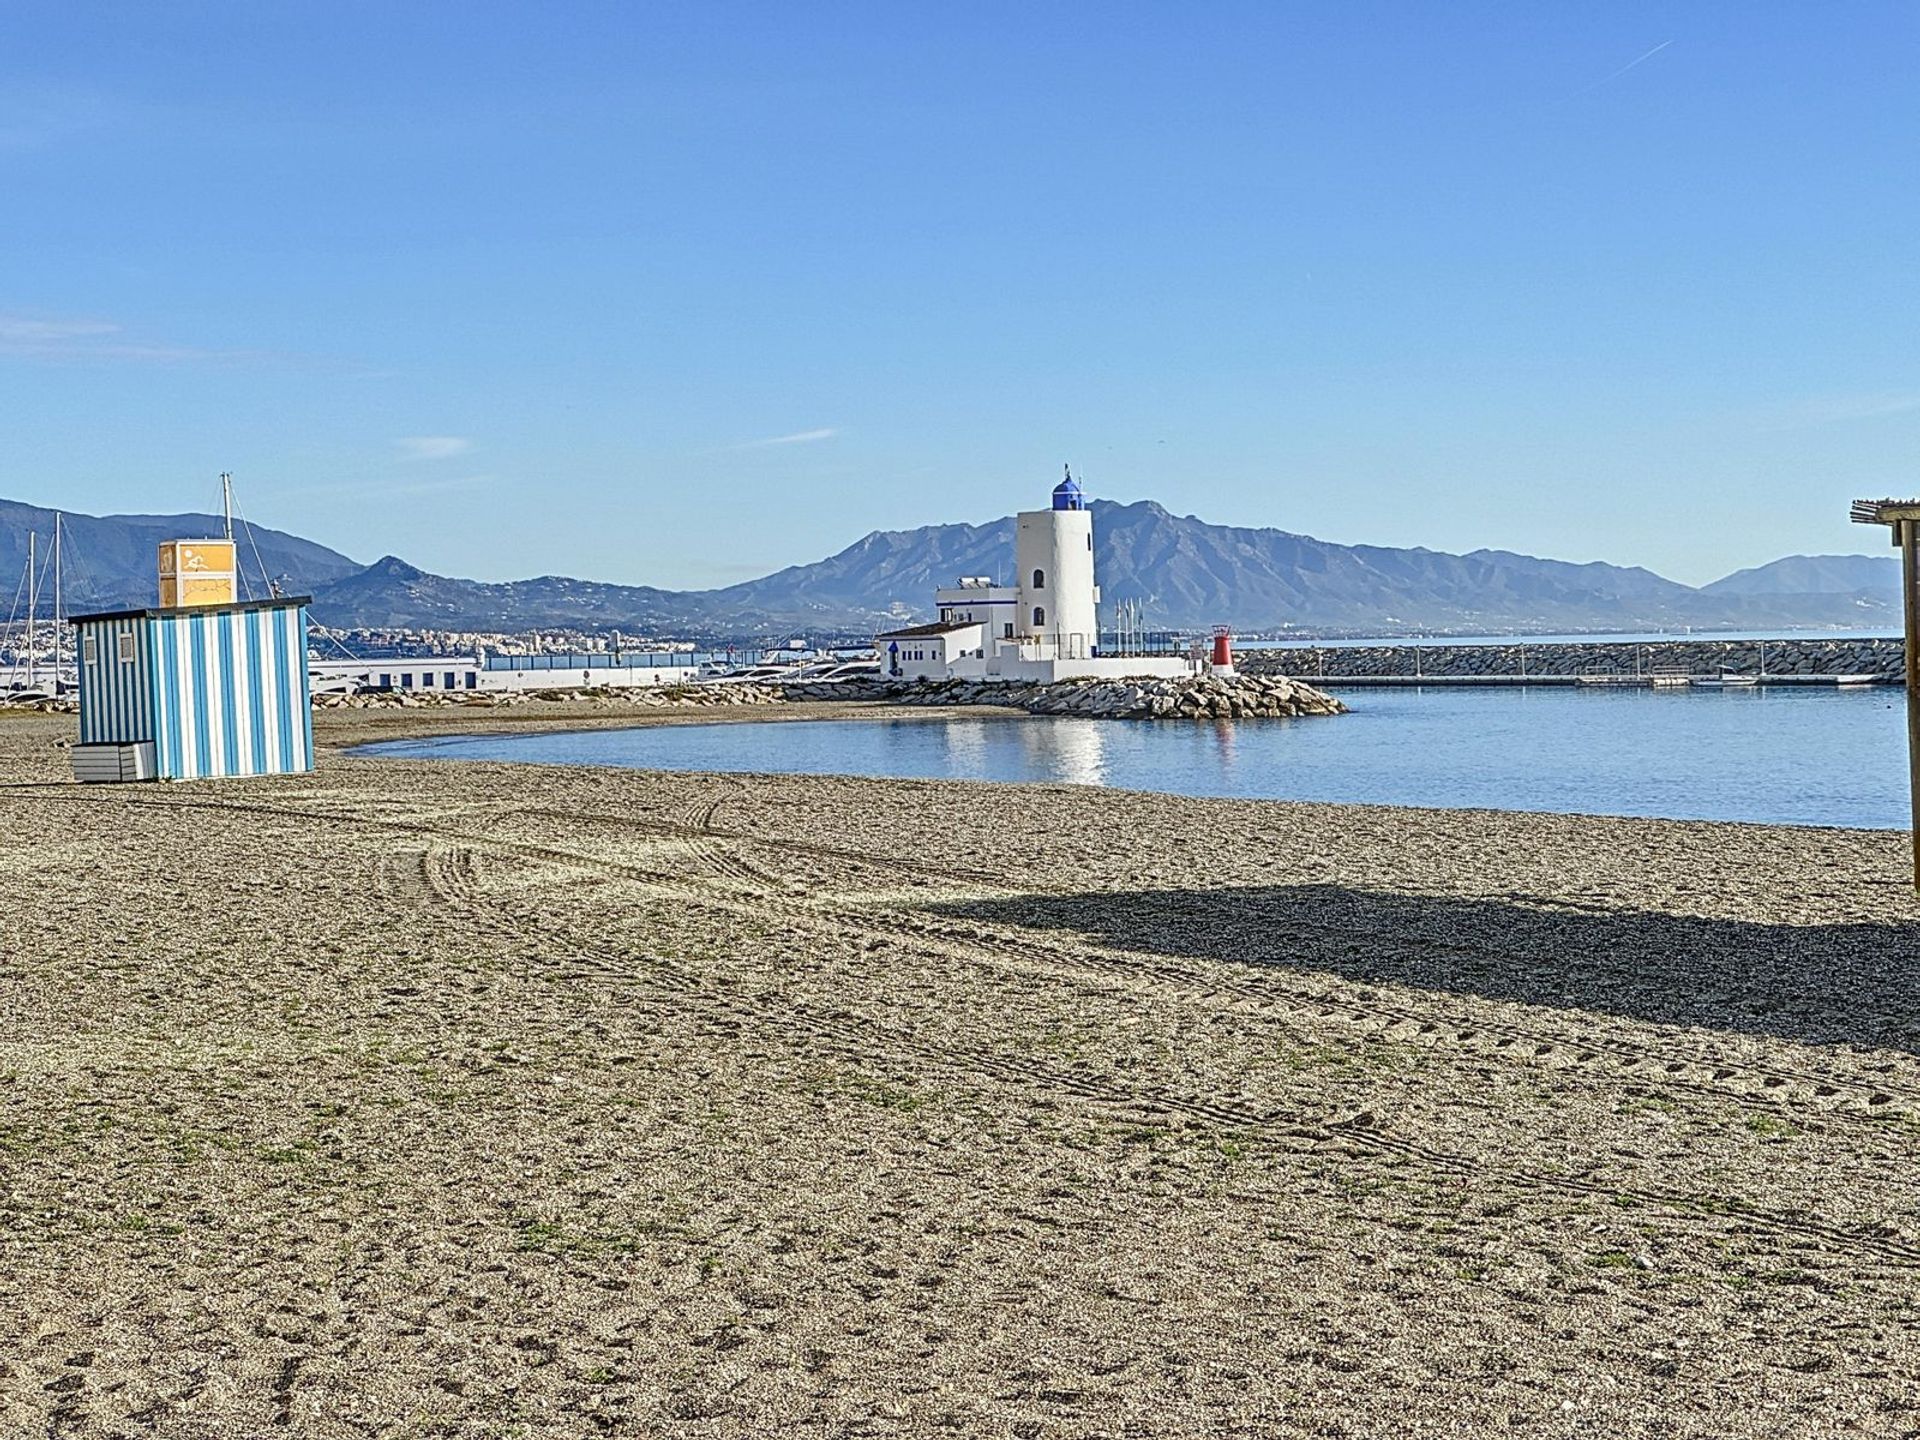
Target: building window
1039,579
447,679
406,679
1009,634
93,650
1039,616
473,680
426,680
126,648
386,680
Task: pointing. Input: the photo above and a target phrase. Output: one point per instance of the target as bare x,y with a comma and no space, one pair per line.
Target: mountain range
1185,572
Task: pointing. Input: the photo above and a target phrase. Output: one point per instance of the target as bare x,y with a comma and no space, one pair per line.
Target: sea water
1790,754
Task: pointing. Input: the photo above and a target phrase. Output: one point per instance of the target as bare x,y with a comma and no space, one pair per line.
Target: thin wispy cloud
800,437
1632,64
30,337
17,329
432,447
1873,406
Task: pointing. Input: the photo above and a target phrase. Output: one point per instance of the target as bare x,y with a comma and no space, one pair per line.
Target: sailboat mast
226,501
33,598
57,627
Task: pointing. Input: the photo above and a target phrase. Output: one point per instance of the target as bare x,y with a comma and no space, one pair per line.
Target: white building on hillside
1045,626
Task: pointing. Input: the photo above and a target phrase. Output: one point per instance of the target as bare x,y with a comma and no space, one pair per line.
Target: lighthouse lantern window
1039,579
1039,616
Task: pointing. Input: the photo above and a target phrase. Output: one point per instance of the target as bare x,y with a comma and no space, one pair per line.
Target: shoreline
828,711
580,717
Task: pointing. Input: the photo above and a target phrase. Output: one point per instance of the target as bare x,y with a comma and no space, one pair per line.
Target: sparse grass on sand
465,1100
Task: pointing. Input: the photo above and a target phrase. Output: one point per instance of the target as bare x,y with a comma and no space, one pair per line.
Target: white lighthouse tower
1043,627
1058,612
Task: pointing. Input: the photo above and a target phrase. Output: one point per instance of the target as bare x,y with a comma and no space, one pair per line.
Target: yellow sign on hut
196,572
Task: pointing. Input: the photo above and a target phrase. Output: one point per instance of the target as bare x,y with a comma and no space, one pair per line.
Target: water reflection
1223,737
1061,751
964,744
1068,752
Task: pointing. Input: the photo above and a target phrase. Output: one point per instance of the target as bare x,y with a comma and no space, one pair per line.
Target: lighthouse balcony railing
1078,645
1072,646
1144,644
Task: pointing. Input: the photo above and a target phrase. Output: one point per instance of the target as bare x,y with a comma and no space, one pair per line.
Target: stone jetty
647,697
1784,658
1197,697
41,704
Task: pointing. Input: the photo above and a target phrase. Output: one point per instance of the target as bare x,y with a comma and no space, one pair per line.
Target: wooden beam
1903,517
1885,512
1909,533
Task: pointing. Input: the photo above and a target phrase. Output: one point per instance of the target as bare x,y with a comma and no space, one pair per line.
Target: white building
1045,626
440,674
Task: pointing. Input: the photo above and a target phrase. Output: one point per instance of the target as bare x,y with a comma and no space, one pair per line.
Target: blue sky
679,294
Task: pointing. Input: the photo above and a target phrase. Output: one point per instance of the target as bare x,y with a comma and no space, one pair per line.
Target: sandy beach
433,1099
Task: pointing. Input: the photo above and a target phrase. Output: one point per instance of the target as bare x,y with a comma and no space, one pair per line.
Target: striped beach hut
194,693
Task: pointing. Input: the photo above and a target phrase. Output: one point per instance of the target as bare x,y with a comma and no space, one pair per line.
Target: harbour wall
1784,660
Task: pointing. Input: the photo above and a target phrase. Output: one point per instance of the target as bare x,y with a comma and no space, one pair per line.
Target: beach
433,1099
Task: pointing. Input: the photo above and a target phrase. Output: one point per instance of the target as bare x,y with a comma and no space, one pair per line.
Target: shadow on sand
1854,984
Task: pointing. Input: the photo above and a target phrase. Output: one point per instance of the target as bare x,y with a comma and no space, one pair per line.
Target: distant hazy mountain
1193,574
1186,573
391,592
887,574
1816,575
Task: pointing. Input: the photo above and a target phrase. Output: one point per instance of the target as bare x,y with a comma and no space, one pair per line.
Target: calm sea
1793,755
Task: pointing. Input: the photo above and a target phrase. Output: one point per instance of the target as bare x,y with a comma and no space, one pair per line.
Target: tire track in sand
860,1038
1697,1069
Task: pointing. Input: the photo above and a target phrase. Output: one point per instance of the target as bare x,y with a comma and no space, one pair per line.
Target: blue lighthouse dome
1067,496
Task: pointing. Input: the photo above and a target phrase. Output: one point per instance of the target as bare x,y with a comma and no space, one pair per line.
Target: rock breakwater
1204,697
651,697
41,704
1200,697
1785,657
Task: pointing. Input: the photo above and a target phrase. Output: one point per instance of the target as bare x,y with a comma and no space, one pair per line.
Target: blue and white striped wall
116,680
218,691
